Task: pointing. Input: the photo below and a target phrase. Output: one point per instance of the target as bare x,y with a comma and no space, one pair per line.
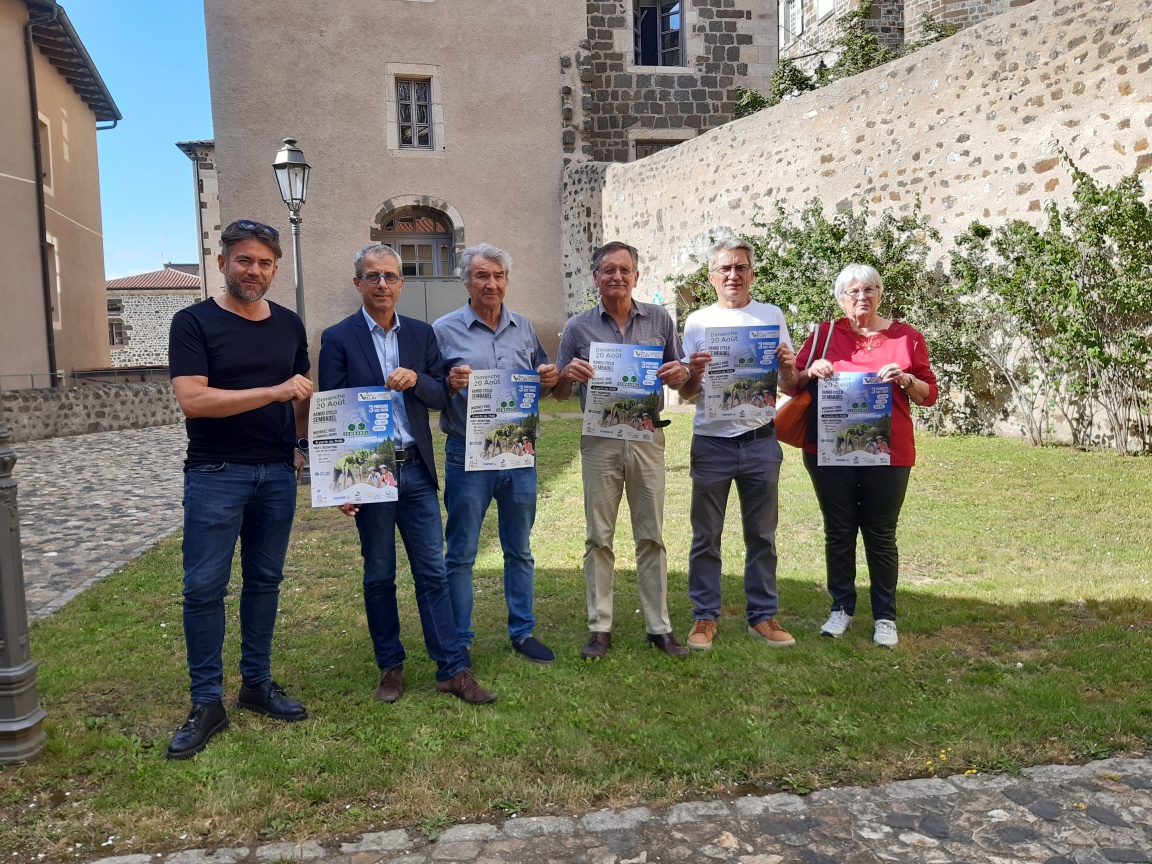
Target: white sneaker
836,624
885,634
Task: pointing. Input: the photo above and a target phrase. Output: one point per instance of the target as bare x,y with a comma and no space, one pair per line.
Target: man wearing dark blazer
376,347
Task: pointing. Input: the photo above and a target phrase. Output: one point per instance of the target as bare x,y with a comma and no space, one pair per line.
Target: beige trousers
610,468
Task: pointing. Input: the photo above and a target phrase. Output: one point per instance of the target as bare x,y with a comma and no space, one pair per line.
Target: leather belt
756,434
409,455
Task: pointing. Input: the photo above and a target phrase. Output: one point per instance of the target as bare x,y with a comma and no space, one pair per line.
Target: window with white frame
414,112
658,32
824,8
790,16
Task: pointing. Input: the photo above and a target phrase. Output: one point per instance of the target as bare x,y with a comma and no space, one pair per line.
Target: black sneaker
268,698
204,720
535,650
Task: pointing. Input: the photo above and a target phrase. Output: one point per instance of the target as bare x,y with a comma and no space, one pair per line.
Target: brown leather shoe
391,686
463,686
597,646
667,643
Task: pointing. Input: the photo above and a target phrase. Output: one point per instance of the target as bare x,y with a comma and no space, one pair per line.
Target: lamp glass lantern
292,174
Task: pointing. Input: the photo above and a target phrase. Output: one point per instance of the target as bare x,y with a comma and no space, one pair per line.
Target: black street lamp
292,175
21,718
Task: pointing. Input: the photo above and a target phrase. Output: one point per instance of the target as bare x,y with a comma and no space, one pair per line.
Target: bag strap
815,338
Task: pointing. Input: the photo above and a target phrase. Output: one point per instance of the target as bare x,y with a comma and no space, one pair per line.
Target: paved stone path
1086,814
91,503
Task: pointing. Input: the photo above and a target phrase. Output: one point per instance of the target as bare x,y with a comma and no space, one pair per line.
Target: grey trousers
755,468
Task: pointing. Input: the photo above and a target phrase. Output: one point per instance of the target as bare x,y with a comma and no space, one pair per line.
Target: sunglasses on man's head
258,227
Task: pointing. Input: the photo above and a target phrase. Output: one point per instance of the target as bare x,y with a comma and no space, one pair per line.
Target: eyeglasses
375,278
862,292
258,227
738,269
625,272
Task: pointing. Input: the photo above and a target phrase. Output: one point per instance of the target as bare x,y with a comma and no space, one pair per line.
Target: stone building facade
442,146
206,190
808,27
633,108
140,310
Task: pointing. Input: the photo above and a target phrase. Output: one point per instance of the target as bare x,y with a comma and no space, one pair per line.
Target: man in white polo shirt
742,450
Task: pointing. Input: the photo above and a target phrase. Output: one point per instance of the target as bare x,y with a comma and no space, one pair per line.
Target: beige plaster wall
499,161
22,331
73,219
971,124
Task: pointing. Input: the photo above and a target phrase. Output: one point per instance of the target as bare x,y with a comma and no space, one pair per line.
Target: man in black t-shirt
239,367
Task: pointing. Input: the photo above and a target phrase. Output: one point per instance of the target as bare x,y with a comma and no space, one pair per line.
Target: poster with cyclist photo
503,419
623,398
854,416
351,449
740,381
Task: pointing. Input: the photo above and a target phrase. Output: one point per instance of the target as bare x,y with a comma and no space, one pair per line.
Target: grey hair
483,250
615,246
730,243
375,249
862,273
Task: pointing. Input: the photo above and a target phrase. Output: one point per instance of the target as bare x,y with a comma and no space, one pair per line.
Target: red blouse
850,352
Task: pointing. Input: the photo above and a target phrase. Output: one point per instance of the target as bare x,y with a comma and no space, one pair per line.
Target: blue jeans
223,503
417,515
467,495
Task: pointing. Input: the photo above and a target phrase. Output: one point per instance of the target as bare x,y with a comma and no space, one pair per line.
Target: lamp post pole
294,218
292,176
21,735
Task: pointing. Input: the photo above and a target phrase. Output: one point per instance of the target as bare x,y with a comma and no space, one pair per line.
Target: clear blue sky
152,57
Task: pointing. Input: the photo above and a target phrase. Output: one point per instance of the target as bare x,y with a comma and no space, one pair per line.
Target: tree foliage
857,49
1063,311
800,253
788,81
748,101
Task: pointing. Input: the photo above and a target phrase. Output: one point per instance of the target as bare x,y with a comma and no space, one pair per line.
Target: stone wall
32,415
970,125
962,13
147,319
727,43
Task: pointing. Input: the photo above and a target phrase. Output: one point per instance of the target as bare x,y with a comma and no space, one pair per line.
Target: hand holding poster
351,454
623,398
854,419
740,382
503,419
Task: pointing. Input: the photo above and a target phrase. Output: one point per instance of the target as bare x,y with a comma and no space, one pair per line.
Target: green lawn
1025,638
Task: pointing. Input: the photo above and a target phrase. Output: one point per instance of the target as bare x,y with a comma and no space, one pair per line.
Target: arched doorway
423,237
429,235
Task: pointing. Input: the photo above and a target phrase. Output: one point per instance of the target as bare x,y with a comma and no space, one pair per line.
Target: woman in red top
865,498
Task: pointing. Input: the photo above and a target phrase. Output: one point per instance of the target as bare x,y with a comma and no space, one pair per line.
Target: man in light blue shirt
485,334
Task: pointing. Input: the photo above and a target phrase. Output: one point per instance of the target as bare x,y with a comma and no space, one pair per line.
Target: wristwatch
302,446
911,383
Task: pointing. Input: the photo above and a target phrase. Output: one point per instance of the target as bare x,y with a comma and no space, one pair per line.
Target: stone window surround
828,12
58,299
623,42
392,71
644,134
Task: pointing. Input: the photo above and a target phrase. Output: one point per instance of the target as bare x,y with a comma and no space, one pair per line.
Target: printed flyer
623,399
503,419
740,382
351,452
855,420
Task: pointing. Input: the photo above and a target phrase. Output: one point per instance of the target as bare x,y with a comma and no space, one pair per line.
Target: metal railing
79,377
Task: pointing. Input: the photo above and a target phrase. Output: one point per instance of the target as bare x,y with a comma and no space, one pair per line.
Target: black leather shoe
268,698
597,646
667,643
204,721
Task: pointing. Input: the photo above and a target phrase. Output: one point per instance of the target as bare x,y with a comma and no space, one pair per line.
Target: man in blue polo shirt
486,334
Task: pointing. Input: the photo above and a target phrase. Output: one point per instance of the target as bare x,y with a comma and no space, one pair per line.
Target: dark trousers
864,499
754,466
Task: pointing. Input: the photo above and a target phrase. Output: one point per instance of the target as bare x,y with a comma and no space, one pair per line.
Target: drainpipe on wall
38,162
